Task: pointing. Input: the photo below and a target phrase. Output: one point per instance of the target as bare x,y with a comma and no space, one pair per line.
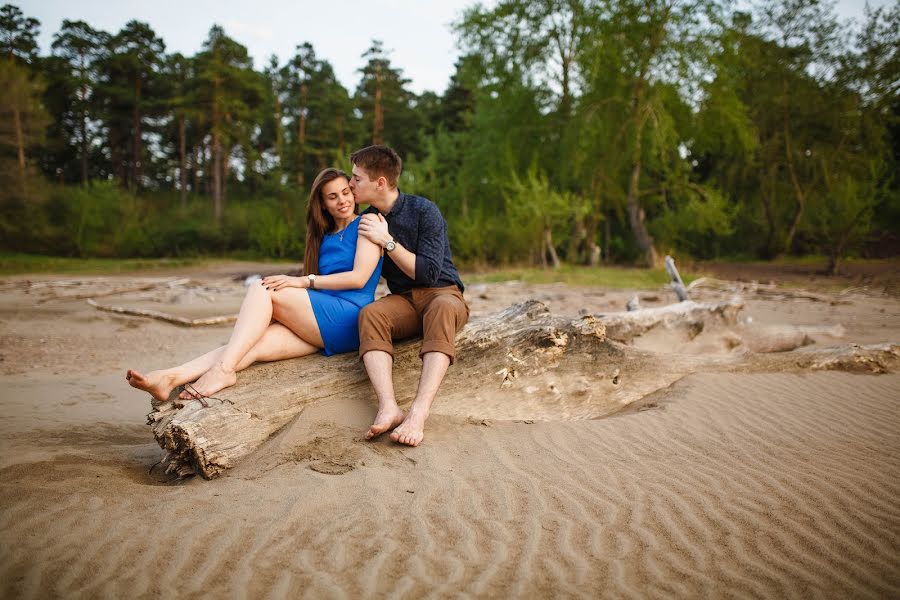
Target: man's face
363,187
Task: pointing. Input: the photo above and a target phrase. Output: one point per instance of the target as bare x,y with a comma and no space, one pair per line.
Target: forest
572,131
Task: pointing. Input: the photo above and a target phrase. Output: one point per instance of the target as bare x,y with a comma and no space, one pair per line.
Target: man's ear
382,183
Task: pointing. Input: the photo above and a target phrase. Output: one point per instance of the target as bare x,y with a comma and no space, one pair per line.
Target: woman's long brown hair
318,220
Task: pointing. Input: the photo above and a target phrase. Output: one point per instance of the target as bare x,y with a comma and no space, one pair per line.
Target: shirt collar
395,210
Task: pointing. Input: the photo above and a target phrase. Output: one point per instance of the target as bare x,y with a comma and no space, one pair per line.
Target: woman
286,317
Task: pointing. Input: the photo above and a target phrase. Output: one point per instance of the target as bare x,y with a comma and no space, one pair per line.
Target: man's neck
385,204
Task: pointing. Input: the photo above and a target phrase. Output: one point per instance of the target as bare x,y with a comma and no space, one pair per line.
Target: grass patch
612,277
19,264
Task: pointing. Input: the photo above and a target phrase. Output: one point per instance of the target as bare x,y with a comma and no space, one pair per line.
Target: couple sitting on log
331,308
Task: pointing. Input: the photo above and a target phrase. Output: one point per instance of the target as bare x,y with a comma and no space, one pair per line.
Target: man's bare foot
411,430
214,380
156,383
387,418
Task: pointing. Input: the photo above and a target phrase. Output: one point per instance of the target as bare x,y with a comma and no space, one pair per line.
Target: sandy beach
724,484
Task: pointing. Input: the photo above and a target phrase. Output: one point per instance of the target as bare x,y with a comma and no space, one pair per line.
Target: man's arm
373,227
423,267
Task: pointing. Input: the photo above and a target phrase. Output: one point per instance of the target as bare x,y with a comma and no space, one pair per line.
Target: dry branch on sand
159,315
508,363
762,289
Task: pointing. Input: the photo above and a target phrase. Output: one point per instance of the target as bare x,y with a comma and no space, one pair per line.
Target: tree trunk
636,218
20,145
217,177
216,154
606,237
301,138
279,134
769,211
84,145
197,163
576,242
378,126
136,171
182,160
551,250
226,175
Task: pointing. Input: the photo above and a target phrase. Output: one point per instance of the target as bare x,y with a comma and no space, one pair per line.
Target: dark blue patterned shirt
418,225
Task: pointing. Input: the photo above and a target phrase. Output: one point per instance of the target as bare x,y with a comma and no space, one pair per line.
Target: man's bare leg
412,429
379,366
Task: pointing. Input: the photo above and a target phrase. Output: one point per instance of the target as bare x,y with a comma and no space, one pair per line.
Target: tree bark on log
510,365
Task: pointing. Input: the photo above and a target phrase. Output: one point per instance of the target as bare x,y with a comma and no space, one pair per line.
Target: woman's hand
279,282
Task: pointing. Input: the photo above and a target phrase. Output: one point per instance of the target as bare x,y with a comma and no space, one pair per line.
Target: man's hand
279,282
374,228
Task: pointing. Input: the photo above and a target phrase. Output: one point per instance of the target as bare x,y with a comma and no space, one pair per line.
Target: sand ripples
738,485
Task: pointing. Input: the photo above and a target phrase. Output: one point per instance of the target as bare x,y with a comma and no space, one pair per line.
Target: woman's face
338,198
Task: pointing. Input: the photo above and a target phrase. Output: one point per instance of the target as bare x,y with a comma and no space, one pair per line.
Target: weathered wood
138,287
765,289
693,317
675,279
210,440
155,314
522,363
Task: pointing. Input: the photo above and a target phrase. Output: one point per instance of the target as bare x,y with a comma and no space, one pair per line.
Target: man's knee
448,308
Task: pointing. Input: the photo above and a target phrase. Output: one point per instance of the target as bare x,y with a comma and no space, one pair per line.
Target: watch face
390,246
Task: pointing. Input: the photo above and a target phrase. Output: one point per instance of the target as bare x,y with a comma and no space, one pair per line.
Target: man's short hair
379,161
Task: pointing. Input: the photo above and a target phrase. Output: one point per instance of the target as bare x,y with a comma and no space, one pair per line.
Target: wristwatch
390,246
312,281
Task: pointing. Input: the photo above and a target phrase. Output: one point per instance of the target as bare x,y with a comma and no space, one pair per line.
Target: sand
745,485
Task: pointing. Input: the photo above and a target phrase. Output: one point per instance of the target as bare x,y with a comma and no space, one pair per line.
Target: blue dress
337,311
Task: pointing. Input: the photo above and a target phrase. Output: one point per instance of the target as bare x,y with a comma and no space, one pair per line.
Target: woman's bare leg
160,384
290,307
277,343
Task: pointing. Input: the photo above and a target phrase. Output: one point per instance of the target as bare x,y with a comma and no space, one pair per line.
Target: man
426,292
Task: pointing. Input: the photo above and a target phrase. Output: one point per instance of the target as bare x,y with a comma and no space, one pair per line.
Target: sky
417,34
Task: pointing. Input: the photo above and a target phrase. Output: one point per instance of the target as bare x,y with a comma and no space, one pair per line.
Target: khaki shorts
435,313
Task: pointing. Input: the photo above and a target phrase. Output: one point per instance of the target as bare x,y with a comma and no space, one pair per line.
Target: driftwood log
162,316
513,364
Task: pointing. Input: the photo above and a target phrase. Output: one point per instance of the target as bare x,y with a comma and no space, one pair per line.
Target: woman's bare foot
387,418
412,430
214,380
156,383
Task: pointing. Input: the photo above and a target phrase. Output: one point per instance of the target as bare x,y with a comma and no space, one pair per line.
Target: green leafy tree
176,75
317,109
130,92
229,91
17,35
80,47
23,121
387,106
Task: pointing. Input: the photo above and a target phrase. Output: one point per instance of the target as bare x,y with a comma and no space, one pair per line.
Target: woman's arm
364,263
